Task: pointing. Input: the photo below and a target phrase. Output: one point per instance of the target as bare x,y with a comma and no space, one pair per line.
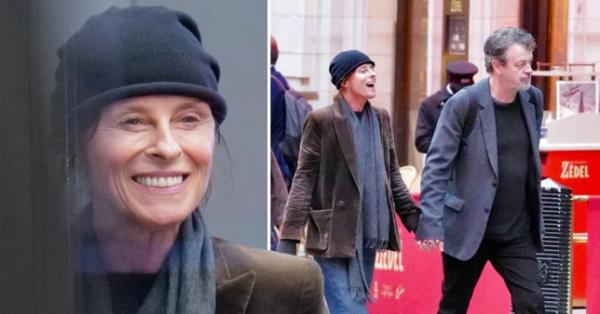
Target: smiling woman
140,111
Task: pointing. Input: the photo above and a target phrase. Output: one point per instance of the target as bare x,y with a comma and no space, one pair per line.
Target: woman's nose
372,73
165,145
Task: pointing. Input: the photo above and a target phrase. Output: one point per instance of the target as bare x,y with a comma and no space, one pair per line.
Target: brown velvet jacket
325,193
258,281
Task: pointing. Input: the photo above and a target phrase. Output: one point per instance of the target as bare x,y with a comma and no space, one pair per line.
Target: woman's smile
161,179
159,182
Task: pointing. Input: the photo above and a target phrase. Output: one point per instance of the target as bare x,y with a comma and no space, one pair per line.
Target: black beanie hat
136,51
344,63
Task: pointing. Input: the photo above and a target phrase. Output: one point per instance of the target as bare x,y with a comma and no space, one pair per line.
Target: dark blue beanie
344,63
136,51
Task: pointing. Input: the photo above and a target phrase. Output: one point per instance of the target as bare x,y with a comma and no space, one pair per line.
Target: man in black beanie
347,187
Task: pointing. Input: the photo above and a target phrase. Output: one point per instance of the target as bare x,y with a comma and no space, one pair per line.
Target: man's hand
428,245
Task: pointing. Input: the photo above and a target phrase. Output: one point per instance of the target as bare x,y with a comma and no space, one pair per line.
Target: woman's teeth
161,182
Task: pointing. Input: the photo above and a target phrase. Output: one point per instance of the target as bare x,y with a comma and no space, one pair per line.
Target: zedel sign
389,260
574,170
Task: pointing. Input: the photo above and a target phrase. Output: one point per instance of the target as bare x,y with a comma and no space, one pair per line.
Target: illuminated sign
574,170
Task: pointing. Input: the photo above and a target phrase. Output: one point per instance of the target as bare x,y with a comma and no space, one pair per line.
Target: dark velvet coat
325,190
258,281
248,281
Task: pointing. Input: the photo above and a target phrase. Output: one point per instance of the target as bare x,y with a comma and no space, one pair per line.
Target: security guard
458,75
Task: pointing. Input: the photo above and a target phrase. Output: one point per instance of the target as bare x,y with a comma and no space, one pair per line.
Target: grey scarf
368,148
374,219
184,284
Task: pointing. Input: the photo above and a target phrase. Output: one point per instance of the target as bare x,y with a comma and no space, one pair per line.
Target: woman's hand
428,245
288,246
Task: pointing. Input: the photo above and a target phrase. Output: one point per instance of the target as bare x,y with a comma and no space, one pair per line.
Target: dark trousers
514,260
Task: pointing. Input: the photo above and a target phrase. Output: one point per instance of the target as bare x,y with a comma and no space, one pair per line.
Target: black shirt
359,114
509,217
128,291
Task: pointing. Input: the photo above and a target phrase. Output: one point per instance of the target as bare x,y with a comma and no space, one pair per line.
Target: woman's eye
133,121
133,124
189,119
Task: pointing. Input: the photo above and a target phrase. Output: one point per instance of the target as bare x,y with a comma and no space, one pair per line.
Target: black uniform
458,75
429,113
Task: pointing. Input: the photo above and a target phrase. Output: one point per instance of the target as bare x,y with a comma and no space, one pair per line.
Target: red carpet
410,282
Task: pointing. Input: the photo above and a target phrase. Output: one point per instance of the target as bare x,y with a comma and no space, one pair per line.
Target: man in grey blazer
480,195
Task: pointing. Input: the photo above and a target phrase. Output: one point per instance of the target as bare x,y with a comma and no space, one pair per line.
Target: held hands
428,245
287,246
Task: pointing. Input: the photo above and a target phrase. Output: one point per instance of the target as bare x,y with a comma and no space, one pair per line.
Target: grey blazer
460,177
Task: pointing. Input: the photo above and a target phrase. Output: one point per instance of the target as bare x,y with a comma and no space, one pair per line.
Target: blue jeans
337,285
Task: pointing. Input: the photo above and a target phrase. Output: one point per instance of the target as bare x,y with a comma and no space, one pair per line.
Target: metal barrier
554,264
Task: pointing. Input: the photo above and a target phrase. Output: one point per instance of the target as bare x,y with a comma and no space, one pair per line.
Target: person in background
289,110
458,75
347,187
480,191
280,170
278,113
273,59
279,194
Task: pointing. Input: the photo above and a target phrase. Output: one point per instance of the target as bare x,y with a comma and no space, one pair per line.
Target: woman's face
361,82
150,158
